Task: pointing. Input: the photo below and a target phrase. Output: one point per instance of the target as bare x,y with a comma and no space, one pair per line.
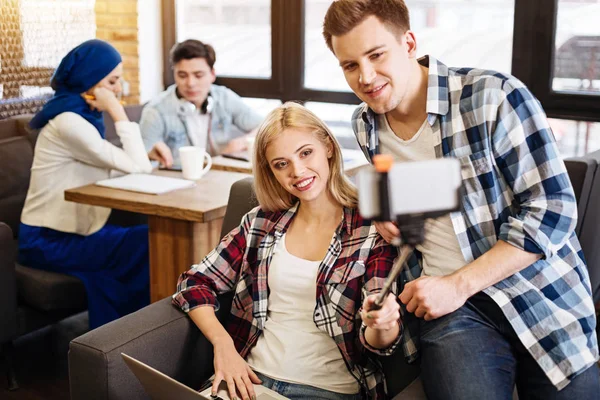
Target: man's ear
213,75
411,43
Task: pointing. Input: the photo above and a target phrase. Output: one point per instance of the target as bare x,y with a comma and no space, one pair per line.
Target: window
577,48
239,31
321,68
544,43
51,28
575,138
465,33
460,33
555,55
262,106
36,34
337,117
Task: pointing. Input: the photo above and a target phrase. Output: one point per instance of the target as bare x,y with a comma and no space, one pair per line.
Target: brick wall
117,23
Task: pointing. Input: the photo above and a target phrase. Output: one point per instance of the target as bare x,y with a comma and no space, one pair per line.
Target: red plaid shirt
357,258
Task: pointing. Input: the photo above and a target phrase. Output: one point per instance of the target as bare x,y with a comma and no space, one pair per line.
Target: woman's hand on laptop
233,369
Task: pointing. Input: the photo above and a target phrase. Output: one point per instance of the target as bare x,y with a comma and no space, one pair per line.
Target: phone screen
173,167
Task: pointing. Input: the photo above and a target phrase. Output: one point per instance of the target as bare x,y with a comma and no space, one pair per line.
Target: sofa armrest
159,335
8,285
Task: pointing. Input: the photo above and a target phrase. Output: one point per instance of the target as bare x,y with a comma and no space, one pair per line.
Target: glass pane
575,138
337,117
240,32
577,47
262,106
50,29
460,33
36,35
26,91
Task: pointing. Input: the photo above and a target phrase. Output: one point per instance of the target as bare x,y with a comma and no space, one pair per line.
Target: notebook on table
146,183
162,387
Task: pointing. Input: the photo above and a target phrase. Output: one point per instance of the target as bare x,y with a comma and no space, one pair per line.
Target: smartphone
427,188
174,167
242,156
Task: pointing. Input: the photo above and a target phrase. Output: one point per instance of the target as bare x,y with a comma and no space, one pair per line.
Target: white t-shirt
441,251
292,348
197,127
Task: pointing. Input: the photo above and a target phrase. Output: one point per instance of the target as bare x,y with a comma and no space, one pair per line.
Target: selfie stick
411,234
408,193
399,264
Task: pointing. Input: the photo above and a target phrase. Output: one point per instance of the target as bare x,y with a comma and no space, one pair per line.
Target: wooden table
354,160
184,225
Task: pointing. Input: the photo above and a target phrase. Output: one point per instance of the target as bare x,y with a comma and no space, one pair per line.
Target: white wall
150,48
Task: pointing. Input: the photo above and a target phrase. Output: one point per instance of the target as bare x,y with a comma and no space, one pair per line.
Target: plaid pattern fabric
517,190
357,259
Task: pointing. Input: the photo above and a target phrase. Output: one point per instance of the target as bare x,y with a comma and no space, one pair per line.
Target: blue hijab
82,68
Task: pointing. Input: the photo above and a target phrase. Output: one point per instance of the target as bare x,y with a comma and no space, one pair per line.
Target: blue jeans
474,353
295,391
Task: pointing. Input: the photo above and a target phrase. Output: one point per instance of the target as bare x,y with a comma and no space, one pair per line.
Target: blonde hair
270,194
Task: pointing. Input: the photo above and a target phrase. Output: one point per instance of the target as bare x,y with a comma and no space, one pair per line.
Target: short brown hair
270,194
192,48
344,15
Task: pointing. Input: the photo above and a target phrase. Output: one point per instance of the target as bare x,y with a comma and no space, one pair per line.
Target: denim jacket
164,119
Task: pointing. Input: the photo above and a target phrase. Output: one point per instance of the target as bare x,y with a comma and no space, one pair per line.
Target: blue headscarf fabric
81,69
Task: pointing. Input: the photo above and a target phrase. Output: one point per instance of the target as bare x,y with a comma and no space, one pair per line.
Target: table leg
174,246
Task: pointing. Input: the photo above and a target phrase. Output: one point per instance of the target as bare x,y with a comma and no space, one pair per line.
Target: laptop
162,387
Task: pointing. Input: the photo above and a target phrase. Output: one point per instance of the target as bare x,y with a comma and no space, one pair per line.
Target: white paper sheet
146,183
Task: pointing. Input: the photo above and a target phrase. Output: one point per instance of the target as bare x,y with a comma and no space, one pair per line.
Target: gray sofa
166,339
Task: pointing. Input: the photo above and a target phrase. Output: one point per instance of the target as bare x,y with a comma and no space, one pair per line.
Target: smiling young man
503,296
195,111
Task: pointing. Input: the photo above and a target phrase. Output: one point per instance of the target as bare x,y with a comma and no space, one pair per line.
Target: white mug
192,162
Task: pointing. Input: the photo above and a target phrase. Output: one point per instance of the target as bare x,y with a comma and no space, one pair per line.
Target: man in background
194,111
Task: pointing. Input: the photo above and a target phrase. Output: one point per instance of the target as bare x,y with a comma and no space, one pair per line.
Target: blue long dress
112,263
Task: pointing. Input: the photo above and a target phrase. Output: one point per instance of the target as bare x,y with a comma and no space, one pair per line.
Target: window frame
287,54
533,45
534,32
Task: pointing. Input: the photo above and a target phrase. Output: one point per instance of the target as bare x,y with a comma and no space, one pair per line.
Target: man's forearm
500,262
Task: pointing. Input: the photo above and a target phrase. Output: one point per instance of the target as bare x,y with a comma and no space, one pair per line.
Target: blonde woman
300,265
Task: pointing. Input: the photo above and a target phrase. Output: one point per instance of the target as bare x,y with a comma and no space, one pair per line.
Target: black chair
31,298
590,232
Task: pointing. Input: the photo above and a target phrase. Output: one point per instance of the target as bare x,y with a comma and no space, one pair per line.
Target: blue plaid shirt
517,190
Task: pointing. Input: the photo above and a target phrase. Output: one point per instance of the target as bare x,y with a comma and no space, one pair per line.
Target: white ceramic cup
192,162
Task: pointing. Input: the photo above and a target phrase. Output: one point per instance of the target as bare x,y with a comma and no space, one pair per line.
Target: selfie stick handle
399,264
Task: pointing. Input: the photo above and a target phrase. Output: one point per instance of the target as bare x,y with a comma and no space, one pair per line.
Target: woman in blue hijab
71,238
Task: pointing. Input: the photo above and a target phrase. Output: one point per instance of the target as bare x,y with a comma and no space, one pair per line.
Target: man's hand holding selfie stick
409,193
